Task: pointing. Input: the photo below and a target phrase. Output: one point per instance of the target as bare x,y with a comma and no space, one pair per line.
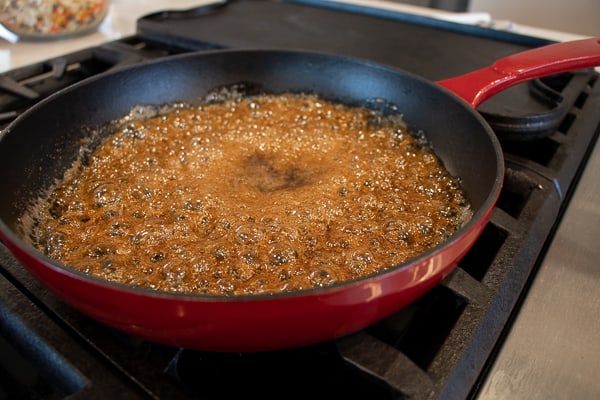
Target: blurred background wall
574,16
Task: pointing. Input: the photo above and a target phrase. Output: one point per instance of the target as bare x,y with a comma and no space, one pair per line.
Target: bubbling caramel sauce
257,194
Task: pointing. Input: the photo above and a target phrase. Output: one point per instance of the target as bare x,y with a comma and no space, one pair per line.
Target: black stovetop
438,347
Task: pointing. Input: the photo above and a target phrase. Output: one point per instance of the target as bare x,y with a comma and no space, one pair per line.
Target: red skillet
38,147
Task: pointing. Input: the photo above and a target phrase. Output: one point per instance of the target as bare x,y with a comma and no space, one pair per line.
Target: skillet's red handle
477,86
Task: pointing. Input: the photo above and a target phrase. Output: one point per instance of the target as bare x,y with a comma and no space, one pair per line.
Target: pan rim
478,216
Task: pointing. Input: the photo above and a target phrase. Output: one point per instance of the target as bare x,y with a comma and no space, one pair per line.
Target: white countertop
123,14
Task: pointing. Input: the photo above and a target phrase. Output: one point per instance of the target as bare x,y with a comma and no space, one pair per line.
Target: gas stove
441,346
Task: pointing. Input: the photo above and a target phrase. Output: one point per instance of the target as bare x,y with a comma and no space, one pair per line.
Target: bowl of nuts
52,19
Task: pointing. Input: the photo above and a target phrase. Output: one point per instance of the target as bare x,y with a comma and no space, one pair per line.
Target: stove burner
317,371
534,110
